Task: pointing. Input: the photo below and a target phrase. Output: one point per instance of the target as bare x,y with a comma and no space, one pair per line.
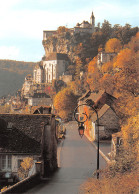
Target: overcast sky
22,21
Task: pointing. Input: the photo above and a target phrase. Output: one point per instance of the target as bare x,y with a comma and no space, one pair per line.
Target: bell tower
92,22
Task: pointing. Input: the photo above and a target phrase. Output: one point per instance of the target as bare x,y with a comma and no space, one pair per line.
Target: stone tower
92,22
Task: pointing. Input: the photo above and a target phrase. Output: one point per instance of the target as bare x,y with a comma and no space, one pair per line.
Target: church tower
92,22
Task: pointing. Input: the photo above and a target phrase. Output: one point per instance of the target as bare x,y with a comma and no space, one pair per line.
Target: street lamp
81,130
81,119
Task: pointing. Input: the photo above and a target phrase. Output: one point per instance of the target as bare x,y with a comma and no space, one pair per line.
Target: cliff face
69,43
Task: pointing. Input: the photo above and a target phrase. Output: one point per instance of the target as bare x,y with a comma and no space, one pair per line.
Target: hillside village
74,72
54,66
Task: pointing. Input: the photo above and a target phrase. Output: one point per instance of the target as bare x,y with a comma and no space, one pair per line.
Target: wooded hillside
12,75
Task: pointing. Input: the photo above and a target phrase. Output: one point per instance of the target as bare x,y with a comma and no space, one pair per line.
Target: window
6,162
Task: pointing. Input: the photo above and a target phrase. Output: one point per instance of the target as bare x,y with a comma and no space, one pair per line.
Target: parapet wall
24,185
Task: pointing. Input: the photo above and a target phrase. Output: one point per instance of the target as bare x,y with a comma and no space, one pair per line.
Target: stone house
108,123
104,57
38,74
24,136
108,119
40,99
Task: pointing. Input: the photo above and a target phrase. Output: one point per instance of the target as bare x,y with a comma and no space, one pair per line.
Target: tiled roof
99,98
56,56
92,95
101,112
15,141
25,135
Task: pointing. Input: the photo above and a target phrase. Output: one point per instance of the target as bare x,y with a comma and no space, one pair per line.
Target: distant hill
12,75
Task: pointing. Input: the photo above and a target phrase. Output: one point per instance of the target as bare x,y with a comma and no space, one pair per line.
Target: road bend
78,162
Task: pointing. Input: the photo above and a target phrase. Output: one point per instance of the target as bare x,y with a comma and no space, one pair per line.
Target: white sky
22,21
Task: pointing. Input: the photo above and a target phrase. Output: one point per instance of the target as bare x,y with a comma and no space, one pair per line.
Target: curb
102,154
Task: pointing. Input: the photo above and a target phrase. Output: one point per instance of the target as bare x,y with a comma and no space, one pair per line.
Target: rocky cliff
72,44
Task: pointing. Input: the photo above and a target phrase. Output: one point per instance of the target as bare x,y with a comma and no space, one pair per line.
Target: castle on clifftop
84,27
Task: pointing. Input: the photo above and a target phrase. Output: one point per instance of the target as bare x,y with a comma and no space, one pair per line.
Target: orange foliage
65,101
121,183
107,67
92,65
94,75
126,71
107,83
62,29
113,45
124,59
120,77
27,163
131,134
134,43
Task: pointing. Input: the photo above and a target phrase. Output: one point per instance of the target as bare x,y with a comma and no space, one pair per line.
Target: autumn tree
62,29
113,46
134,43
94,75
65,101
25,167
126,72
58,85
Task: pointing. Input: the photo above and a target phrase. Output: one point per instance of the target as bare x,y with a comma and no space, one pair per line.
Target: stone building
40,99
108,119
104,57
108,123
47,33
38,74
85,26
27,85
24,136
55,65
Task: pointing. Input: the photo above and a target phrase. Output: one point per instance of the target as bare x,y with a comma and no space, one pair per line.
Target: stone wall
24,185
110,121
49,151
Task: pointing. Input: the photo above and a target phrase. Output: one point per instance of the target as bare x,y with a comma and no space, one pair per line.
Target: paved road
77,163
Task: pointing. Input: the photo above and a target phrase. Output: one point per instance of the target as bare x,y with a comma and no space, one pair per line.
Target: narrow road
77,163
